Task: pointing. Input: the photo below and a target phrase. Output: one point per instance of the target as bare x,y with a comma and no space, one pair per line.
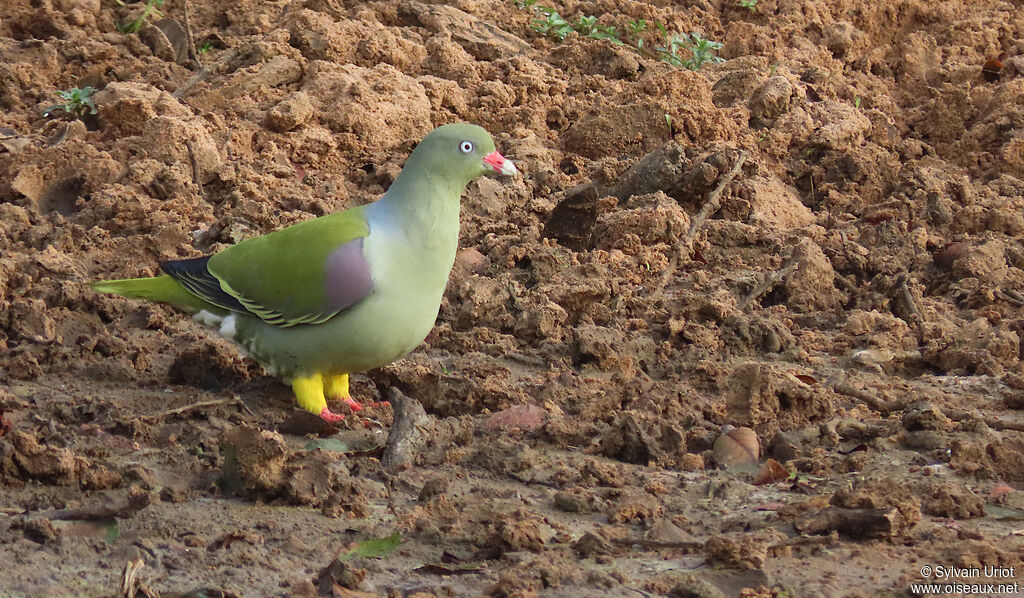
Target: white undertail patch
207,319
227,327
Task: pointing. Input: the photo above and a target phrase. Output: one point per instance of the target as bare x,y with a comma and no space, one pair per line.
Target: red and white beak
500,164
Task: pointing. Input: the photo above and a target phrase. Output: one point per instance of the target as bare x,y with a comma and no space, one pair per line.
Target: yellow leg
309,392
336,386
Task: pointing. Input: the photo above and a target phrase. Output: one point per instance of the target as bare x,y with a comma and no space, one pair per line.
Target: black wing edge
195,276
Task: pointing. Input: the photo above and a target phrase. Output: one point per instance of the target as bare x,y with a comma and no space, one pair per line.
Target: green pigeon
343,293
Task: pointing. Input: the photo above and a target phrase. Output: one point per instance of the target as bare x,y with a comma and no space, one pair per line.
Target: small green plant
134,26
856,102
702,49
635,29
204,47
751,5
553,25
585,25
77,102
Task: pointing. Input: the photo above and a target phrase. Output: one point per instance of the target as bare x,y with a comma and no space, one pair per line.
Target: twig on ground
195,164
829,539
769,283
915,311
881,405
711,205
993,422
656,544
200,405
131,586
204,73
136,502
191,40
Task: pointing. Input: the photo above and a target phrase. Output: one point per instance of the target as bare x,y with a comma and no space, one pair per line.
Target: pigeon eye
466,147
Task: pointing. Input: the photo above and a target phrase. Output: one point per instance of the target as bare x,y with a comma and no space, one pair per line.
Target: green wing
282,277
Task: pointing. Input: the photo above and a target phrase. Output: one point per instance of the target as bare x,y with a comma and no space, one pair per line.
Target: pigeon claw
330,417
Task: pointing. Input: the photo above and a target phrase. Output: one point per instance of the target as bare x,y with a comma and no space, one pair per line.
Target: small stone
40,530
590,544
435,486
691,462
572,502
290,113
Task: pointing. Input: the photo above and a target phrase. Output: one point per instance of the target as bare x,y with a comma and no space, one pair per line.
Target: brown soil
855,301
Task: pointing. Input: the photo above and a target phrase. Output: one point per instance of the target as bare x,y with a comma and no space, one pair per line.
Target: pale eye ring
466,147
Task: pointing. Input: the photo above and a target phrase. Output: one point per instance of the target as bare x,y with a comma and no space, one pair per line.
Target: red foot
330,417
355,405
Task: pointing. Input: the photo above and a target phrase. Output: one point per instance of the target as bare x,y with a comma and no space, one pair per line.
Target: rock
811,285
290,113
751,398
663,530
598,344
660,170
373,111
211,366
574,501
691,462
164,138
925,416
591,545
742,551
123,108
254,459
628,441
483,40
694,587
469,261
572,221
277,71
986,262
838,37
40,530
775,205
435,486
654,218
528,418
772,99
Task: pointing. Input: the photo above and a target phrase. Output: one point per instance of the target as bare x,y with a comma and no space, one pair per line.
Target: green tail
161,288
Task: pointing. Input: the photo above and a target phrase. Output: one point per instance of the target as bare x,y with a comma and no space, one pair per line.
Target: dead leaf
806,379
771,471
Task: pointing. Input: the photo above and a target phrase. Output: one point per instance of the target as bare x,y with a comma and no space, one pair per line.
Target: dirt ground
853,304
